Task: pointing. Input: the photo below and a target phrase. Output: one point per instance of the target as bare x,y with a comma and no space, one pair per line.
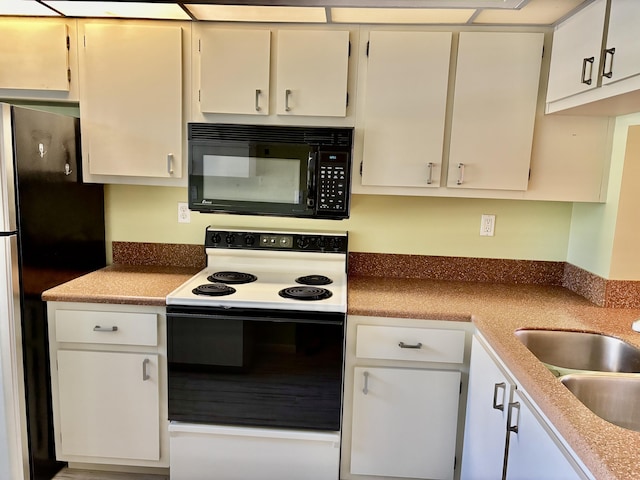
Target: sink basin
612,397
581,351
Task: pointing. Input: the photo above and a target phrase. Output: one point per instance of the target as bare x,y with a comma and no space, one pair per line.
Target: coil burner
305,293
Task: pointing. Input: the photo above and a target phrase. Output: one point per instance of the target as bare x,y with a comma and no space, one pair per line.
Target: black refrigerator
51,231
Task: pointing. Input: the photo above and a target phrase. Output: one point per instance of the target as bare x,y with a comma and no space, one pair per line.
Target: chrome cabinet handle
590,61
170,164
404,345
287,93
258,92
608,52
430,176
98,328
513,406
497,386
145,374
365,389
460,174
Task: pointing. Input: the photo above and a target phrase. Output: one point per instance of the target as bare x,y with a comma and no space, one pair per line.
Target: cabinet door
234,71
404,422
485,431
312,69
622,36
131,100
34,55
405,103
533,452
109,404
575,54
494,107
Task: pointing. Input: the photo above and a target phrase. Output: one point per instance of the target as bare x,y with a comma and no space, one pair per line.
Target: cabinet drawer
122,328
407,343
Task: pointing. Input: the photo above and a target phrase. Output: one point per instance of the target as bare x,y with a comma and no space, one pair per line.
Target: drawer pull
145,374
98,328
404,345
365,389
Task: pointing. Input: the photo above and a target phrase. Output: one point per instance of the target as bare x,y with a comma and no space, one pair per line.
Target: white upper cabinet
234,71
594,61
311,72
494,107
404,108
575,57
623,48
131,101
38,59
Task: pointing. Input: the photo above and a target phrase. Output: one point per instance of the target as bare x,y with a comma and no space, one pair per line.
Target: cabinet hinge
199,45
543,51
455,462
84,41
68,75
361,167
68,43
349,51
529,177
460,388
367,49
347,99
199,94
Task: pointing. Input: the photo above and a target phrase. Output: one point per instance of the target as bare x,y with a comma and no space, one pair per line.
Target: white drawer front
412,344
120,328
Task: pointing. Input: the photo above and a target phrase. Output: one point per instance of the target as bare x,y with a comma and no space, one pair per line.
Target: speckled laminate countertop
122,284
497,310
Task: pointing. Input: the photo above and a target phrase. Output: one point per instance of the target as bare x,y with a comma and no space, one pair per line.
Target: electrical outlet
487,225
184,214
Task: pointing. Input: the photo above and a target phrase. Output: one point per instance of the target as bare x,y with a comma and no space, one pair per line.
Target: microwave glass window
251,179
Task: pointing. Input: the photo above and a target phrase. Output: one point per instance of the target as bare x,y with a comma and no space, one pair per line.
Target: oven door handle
257,319
311,179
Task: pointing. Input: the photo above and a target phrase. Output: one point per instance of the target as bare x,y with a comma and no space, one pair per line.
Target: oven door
247,177
255,367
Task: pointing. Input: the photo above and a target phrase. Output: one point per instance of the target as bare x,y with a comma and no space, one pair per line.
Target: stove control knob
230,238
321,243
249,240
302,242
335,243
215,238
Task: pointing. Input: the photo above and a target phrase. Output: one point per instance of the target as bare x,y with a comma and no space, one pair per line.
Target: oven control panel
298,241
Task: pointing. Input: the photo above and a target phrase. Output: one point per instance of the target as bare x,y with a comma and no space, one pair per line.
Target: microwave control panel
333,182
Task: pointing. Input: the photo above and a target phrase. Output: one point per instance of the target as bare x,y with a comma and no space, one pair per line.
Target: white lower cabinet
108,377
403,384
505,437
104,394
404,422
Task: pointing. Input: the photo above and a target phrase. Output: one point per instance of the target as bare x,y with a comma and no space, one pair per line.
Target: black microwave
270,170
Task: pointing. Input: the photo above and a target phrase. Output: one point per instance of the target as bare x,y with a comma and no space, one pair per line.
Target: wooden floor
75,474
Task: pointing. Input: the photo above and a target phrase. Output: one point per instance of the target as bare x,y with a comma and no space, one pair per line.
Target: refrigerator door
60,220
13,436
7,175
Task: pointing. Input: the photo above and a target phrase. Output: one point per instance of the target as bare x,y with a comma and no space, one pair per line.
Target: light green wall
593,226
410,225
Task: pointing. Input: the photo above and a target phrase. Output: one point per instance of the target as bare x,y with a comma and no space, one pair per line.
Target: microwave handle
311,179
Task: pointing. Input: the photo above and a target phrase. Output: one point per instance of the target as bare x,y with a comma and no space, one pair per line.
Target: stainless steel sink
612,397
581,351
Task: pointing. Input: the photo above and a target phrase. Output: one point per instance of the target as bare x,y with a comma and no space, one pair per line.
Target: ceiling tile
243,13
536,12
401,15
119,9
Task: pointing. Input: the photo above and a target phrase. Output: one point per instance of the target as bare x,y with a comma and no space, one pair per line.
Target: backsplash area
600,291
